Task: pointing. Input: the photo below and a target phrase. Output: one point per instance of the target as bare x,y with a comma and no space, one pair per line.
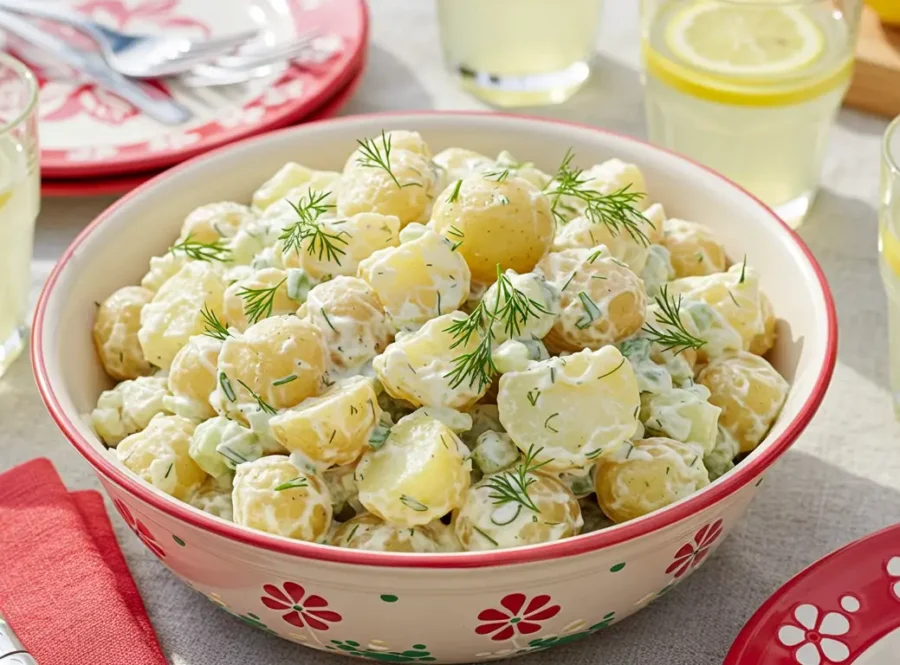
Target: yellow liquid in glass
767,129
19,200
519,52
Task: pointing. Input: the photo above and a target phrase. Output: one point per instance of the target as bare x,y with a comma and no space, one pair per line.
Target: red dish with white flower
843,609
87,132
110,185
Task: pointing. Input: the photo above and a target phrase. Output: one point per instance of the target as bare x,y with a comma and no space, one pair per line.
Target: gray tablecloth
839,482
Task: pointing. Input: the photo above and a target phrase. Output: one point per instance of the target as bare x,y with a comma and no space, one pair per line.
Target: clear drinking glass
19,201
750,88
519,52
889,248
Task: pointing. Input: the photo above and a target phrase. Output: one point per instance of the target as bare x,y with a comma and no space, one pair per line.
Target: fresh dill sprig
263,405
512,486
497,176
455,193
294,483
675,337
512,308
321,243
258,303
372,156
215,328
616,210
202,251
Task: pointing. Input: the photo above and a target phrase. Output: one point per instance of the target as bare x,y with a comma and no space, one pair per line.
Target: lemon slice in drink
743,40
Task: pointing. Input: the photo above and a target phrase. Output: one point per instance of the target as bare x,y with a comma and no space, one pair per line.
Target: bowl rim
745,473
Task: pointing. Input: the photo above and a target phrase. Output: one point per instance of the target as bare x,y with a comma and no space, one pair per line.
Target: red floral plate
87,132
113,185
843,609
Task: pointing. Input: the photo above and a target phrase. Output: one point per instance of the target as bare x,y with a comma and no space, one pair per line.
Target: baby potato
418,280
750,393
481,523
192,377
128,408
614,175
457,163
542,310
494,220
264,293
631,248
353,323
682,414
215,221
332,428
159,455
419,474
602,301
693,248
637,477
218,445
288,178
525,170
176,312
571,408
214,497
405,191
280,360
357,237
115,333
272,495
163,268
764,341
735,296
370,532
282,212
485,418
402,139
418,366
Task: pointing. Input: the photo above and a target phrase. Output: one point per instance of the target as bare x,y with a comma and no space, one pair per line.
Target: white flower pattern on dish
893,569
815,636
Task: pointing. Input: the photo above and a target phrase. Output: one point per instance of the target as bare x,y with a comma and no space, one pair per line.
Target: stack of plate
94,143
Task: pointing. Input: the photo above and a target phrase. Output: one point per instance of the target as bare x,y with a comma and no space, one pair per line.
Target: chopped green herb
743,270
547,424
454,195
263,405
294,483
487,537
591,311
569,281
287,379
412,503
327,320
258,303
533,396
215,327
497,176
675,337
512,486
203,251
226,387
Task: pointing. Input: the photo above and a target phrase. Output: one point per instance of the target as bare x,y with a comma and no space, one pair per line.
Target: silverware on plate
134,55
92,65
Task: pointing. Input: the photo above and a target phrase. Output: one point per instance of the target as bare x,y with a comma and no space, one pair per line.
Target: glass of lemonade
519,52
889,248
19,201
750,88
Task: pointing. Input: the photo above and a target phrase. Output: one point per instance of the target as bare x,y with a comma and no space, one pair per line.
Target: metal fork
140,56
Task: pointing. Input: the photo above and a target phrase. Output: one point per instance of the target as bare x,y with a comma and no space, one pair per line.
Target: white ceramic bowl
424,607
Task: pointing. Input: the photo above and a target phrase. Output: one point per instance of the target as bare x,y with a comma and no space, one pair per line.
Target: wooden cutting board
876,79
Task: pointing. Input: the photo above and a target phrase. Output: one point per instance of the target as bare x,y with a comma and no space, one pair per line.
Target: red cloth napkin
64,586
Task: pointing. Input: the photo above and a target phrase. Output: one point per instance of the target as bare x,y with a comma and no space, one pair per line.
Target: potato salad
437,353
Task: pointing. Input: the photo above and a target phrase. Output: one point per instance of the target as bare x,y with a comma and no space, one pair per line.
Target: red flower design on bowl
300,610
139,529
516,615
692,554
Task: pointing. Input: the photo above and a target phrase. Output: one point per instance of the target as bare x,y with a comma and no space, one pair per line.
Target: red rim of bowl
745,473
278,120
